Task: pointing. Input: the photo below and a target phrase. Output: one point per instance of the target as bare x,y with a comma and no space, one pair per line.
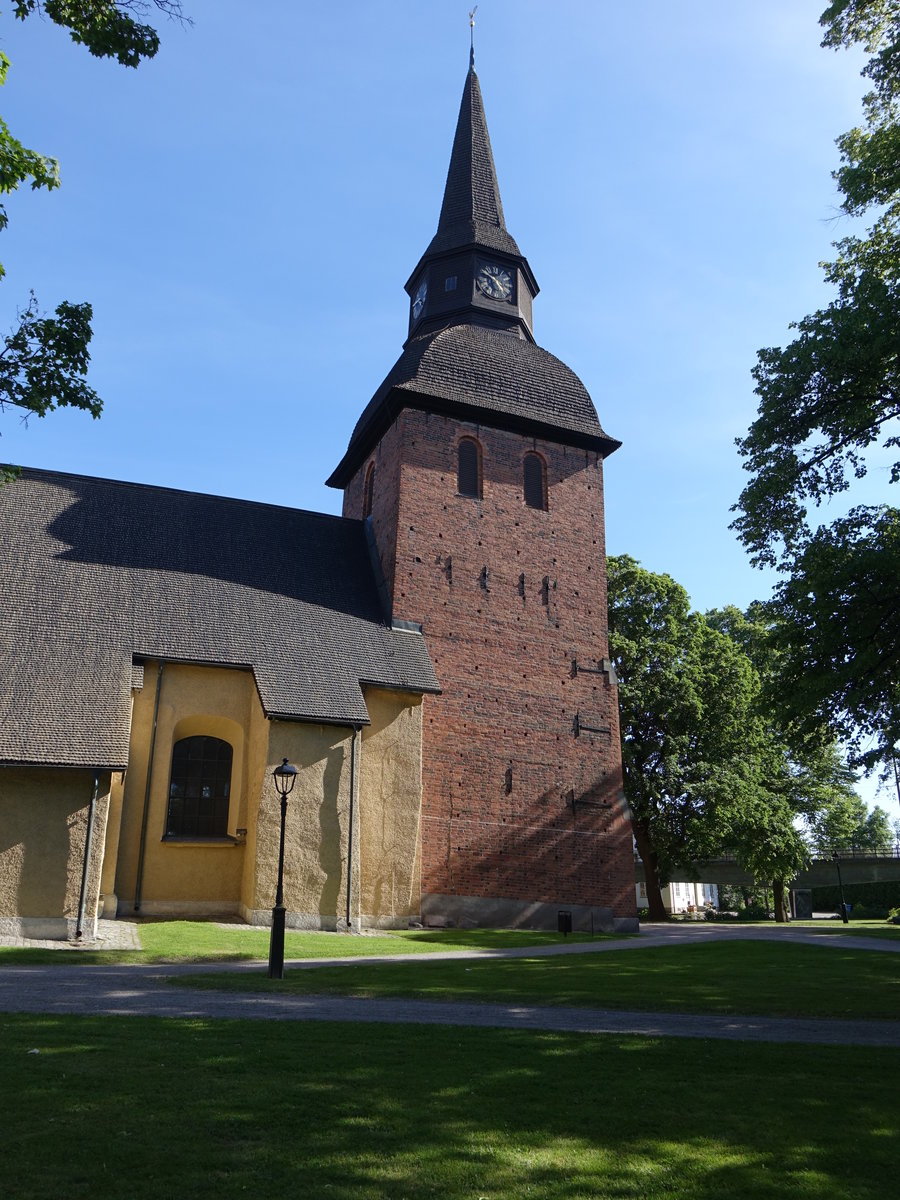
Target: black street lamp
285,776
837,863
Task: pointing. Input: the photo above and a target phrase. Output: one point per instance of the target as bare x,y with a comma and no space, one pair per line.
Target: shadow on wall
567,847
35,844
330,858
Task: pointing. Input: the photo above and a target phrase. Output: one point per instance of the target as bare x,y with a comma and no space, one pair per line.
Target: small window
368,490
468,475
450,283
535,482
199,788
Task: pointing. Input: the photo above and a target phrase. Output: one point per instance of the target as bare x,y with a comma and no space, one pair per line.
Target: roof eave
399,398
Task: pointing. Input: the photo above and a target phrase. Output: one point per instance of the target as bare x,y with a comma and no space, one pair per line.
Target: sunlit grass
198,941
749,977
861,928
143,1108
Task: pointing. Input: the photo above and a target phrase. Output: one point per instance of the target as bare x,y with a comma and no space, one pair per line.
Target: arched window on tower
368,490
468,471
199,788
535,481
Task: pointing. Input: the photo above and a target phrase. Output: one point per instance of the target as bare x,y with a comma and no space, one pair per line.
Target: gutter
353,753
142,845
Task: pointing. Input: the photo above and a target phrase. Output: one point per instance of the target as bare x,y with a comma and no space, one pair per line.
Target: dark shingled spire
472,211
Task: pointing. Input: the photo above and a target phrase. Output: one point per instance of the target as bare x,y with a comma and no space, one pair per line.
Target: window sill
202,841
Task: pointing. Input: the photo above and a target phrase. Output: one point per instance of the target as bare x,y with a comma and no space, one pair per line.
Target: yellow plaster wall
183,877
43,826
316,827
390,806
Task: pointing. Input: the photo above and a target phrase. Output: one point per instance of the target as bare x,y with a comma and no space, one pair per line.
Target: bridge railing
890,851
851,852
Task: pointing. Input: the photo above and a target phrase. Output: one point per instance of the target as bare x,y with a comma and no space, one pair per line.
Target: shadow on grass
319,1110
760,978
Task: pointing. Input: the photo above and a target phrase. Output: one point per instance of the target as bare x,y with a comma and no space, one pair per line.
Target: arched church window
535,481
368,490
199,788
468,473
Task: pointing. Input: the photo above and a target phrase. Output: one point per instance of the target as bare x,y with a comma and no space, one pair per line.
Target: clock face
494,281
419,300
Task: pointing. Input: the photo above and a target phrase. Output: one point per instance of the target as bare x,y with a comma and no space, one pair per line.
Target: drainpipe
142,845
88,841
350,823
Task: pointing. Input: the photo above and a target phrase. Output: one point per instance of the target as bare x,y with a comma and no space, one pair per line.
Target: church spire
472,211
472,271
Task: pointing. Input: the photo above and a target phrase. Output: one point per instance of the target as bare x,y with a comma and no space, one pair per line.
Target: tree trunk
779,899
651,872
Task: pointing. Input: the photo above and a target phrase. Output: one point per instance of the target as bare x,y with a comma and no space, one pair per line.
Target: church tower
478,468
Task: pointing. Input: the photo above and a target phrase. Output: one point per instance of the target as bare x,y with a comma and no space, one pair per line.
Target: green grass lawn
861,928
143,1108
761,978
199,941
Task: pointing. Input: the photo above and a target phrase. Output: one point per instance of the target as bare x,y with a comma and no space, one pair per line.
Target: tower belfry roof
472,211
476,359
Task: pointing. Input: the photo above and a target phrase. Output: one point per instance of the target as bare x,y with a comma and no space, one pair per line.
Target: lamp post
285,776
837,863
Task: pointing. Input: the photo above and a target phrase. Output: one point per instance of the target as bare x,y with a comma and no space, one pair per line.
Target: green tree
846,824
801,768
44,359
689,732
827,400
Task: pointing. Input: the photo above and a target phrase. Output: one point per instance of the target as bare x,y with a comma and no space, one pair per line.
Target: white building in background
683,897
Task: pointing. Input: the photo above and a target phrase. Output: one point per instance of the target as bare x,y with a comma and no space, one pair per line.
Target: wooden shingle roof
481,375
99,573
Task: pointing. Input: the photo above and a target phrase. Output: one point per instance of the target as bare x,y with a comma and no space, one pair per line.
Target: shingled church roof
485,376
98,573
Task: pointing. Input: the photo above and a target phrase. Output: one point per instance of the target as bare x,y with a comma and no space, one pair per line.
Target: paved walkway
146,991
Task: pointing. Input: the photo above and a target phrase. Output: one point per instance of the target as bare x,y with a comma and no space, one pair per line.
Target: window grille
199,788
468,478
535,482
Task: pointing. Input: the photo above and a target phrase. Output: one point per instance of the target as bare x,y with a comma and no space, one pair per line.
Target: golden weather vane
472,13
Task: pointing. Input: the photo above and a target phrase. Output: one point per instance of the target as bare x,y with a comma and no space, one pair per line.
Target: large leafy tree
44,358
690,736
829,400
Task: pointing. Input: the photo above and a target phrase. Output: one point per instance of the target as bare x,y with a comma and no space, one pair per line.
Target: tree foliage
845,823
828,400
689,732
45,358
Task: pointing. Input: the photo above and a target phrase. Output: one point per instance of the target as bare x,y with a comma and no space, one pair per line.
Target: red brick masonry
516,806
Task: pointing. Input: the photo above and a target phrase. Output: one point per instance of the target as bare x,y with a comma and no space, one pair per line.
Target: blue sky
244,210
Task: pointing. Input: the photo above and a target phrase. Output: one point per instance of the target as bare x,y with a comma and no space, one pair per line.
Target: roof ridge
52,473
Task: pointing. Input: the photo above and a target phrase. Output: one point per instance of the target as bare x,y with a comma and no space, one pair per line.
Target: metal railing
890,851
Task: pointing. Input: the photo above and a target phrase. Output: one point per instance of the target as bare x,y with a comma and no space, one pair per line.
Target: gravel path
146,991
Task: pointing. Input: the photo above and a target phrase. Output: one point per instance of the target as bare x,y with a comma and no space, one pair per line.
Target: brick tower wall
520,814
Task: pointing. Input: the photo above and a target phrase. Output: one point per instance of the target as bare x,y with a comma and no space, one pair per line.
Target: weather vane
472,13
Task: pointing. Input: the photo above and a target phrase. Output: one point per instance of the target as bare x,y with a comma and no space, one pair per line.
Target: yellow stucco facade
354,814
44,813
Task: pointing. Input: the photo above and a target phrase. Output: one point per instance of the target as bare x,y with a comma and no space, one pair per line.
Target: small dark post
837,863
285,777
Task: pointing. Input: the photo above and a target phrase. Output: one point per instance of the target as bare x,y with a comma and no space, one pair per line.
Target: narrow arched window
468,472
199,788
368,490
535,481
